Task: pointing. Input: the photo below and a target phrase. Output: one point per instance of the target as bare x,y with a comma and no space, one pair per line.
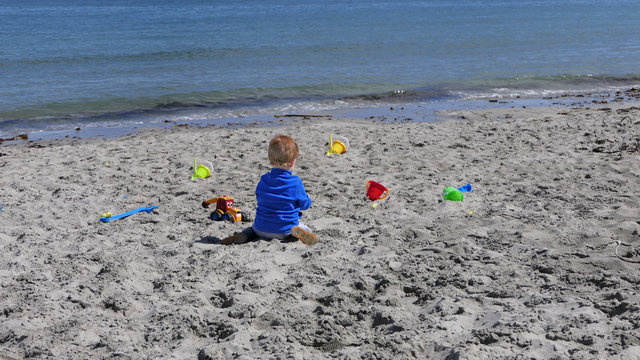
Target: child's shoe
237,238
306,237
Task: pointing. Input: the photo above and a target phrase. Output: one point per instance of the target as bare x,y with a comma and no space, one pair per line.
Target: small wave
543,86
239,103
114,57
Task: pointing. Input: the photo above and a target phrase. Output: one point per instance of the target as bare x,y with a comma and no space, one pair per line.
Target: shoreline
526,265
392,112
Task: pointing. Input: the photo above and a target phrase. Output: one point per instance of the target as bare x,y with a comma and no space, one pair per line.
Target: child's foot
237,238
306,237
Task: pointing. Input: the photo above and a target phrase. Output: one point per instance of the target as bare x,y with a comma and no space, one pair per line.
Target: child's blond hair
283,150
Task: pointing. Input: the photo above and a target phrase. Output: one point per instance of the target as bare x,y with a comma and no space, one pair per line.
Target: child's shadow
210,240
217,241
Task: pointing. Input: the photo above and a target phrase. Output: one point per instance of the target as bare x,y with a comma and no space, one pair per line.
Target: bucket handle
384,195
343,140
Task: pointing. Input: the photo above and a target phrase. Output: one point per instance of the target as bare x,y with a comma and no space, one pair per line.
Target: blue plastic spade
466,188
148,209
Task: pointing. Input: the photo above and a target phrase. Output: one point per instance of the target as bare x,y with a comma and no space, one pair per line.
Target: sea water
99,64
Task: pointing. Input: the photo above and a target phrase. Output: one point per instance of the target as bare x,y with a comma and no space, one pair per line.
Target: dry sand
531,274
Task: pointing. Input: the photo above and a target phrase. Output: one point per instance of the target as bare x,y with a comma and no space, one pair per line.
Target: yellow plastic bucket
338,147
201,171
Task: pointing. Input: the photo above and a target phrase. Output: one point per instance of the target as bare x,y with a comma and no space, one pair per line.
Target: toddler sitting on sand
281,196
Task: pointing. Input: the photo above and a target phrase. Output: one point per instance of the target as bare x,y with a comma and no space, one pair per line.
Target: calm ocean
99,64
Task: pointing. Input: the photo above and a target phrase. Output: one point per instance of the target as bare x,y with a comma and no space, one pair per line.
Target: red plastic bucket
376,191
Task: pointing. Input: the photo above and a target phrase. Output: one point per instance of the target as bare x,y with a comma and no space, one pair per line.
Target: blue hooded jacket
281,196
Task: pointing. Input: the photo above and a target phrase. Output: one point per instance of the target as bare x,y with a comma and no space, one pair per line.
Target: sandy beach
524,267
